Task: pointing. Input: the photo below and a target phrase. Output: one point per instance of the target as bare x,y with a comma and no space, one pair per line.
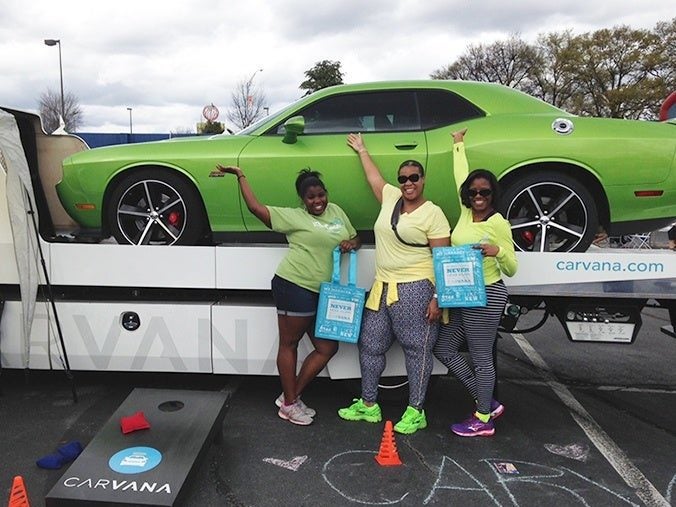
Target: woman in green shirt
479,224
313,232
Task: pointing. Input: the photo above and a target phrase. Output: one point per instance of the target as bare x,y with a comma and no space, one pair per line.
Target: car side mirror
293,127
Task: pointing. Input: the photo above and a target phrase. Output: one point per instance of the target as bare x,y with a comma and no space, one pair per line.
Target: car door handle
406,146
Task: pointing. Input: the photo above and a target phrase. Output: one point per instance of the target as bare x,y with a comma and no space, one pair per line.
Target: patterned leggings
404,320
479,326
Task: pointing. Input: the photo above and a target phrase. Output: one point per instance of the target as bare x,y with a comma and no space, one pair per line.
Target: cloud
167,59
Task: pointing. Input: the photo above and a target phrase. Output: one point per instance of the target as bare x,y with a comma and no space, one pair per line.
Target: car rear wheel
155,207
550,212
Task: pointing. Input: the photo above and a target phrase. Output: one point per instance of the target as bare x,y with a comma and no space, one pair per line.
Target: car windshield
272,118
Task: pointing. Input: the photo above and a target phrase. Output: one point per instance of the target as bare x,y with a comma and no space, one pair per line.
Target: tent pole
50,297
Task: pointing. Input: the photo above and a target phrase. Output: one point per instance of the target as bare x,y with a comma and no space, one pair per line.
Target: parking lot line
611,451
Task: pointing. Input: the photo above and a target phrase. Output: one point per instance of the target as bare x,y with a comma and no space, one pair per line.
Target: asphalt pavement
593,426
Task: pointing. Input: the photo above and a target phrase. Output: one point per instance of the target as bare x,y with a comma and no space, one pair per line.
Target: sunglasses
484,192
413,178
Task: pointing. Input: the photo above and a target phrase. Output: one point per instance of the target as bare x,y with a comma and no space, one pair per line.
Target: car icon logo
137,459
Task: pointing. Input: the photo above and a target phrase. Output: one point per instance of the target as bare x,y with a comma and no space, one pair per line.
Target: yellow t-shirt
397,262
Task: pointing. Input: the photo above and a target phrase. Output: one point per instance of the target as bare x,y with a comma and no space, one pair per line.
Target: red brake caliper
174,218
528,237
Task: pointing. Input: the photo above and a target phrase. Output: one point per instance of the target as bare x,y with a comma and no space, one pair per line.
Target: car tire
550,212
155,207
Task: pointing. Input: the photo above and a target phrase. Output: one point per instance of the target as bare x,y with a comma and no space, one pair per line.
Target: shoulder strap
485,219
394,220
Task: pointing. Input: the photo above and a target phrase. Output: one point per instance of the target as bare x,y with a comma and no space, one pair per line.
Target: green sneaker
358,411
412,421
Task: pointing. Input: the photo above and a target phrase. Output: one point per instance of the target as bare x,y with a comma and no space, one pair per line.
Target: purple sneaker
497,409
473,427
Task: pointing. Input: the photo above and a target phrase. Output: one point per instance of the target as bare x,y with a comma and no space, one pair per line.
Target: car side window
439,108
361,112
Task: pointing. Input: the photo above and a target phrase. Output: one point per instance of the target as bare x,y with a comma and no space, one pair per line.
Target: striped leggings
477,326
404,320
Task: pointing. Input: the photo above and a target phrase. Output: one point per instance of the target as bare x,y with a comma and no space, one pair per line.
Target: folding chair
640,241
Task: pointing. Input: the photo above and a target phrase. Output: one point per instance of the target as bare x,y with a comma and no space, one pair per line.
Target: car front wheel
155,207
550,212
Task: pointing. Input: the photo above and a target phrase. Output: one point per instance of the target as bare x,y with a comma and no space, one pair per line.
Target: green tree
211,127
49,105
324,74
618,73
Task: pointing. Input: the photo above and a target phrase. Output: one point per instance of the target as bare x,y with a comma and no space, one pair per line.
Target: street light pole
130,130
252,76
57,42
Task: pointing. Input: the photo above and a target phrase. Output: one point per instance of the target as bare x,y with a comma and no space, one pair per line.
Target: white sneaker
309,411
295,414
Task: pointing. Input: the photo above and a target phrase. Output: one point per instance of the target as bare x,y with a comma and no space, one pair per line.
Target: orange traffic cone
388,455
18,497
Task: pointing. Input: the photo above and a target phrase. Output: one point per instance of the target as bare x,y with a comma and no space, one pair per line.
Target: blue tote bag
340,306
459,276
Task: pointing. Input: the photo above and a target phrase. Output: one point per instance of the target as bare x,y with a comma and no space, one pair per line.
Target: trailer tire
550,212
155,207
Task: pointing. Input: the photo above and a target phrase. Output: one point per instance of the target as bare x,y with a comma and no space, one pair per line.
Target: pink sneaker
295,414
497,409
309,411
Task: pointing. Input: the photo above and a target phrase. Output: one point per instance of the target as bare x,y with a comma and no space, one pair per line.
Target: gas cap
563,126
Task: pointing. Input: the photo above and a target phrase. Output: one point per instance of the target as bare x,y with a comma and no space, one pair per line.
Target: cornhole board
145,467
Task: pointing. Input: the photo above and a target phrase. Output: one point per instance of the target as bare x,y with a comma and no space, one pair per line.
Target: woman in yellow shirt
401,305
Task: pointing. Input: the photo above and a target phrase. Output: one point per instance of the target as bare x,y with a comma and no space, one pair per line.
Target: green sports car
562,177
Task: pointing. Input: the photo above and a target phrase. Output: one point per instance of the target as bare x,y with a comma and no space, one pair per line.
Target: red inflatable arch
668,109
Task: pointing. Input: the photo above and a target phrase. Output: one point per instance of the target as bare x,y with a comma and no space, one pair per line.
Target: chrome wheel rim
151,212
547,217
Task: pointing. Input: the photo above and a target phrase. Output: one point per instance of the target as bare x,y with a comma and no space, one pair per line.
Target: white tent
19,195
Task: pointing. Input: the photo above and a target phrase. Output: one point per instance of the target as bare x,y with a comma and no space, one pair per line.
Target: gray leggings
479,327
404,321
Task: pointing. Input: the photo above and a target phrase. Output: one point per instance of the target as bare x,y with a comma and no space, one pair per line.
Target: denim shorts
291,299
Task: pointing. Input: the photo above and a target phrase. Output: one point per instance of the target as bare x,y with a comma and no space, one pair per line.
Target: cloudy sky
167,59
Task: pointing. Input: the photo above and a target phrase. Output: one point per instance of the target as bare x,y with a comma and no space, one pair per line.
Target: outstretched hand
355,142
459,135
221,171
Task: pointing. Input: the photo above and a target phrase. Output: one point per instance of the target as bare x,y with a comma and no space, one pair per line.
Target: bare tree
618,72
49,106
182,131
507,62
248,104
553,78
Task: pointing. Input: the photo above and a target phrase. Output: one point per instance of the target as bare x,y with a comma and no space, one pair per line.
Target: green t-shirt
496,230
309,261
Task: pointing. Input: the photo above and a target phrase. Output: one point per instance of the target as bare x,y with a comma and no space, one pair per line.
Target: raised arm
259,210
460,163
373,175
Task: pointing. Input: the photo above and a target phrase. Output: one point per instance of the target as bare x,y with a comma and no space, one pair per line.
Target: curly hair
308,178
492,180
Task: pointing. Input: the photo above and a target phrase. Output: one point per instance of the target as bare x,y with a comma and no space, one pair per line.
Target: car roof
493,98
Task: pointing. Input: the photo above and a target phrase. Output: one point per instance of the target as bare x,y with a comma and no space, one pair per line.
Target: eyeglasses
411,177
484,192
